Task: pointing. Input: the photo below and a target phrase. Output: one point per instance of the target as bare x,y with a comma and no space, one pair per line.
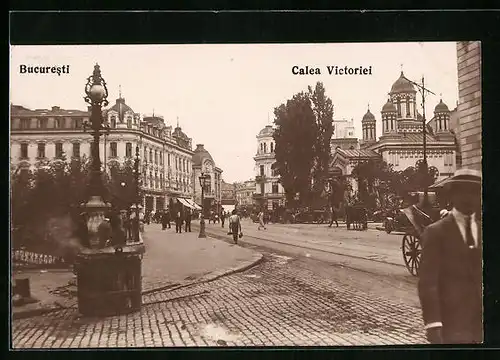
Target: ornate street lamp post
96,95
137,192
203,179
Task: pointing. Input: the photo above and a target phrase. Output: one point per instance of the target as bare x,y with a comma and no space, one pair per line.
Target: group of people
181,216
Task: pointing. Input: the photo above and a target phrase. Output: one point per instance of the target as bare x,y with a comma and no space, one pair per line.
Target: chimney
56,108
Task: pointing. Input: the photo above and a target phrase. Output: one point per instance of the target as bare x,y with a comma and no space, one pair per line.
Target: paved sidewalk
170,260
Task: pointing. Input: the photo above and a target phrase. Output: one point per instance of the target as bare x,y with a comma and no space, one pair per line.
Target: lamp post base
95,209
202,229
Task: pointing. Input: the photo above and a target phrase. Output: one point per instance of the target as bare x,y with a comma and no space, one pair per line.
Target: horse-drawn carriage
417,219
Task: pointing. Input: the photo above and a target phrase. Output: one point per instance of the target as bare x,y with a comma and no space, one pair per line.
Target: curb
257,258
35,312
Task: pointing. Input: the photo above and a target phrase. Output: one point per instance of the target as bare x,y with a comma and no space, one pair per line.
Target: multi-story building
269,193
344,136
166,156
244,192
469,105
203,163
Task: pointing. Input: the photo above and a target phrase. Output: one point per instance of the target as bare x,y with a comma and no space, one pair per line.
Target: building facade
269,193
203,163
469,106
244,192
344,136
401,142
166,156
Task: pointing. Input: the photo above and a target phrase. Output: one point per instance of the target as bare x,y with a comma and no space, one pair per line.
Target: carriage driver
450,274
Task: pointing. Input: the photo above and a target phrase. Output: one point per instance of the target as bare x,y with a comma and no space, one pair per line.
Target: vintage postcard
206,195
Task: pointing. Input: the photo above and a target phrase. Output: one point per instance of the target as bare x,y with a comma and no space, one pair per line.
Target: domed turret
402,85
201,154
441,107
442,118
388,107
368,116
267,131
368,126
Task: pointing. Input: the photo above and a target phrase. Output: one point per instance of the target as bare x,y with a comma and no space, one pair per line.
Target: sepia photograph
245,195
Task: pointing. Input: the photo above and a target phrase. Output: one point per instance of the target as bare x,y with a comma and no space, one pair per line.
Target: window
275,188
128,149
265,148
272,147
176,164
161,158
25,123
41,150
261,170
156,157
262,188
59,150
168,160
58,123
145,154
113,149
42,123
129,122
407,107
78,123
113,121
24,151
76,150
399,107
150,155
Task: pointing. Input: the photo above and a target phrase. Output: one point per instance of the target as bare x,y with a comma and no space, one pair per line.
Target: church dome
267,131
178,133
200,155
368,116
402,85
389,107
441,107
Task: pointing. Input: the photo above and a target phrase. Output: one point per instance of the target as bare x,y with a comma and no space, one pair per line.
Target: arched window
129,122
272,147
407,106
399,107
113,121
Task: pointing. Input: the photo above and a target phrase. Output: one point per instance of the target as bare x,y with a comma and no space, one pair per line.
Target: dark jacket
450,282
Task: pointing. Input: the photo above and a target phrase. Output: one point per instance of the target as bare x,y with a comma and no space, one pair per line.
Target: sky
225,94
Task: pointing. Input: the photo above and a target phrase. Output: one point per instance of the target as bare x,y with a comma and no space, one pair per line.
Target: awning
439,184
183,202
193,204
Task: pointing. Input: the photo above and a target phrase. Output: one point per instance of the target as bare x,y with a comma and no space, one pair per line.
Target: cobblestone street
281,302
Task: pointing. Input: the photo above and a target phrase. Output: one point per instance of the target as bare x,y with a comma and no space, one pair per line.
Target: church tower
442,121
368,125
403,96
389,118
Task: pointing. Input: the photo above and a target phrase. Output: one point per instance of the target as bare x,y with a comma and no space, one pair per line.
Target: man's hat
464,176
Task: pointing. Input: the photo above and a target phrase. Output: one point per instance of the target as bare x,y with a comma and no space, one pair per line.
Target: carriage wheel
412,250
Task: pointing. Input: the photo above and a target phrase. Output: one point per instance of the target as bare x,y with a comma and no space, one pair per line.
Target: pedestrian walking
261,221
187,220
222,218
450,274
235,226
165,219
178,221
334,216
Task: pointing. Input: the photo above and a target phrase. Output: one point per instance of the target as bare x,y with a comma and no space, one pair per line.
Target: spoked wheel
412,250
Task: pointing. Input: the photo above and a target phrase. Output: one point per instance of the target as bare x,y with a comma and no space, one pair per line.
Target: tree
377,181
295,137
322,108
121,186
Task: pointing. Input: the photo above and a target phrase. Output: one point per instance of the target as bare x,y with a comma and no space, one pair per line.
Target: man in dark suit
178,220
450,274
187,227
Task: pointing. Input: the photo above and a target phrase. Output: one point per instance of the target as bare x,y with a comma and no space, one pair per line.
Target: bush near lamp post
45,202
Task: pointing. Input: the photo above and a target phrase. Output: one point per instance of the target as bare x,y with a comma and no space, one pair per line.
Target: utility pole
423,91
